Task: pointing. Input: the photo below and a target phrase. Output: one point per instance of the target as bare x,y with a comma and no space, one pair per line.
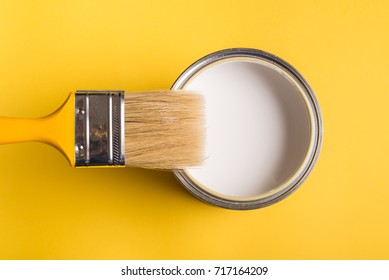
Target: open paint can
263,125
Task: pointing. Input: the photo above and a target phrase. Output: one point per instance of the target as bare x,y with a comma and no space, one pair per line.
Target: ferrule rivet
79,148
80,111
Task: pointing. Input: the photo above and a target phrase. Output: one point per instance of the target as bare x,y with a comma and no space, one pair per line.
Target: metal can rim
283,193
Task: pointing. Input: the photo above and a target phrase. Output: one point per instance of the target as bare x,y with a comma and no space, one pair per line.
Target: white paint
258,128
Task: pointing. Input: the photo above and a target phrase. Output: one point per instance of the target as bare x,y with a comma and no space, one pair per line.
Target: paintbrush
155,129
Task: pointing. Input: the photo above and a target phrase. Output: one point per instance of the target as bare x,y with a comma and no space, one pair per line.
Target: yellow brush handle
56,129
16,130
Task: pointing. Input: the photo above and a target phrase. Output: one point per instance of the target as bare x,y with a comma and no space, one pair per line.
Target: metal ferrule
99,128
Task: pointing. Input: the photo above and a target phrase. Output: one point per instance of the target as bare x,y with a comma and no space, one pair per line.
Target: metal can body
259,79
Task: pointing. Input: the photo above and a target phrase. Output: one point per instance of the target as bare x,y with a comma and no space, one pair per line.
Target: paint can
264,129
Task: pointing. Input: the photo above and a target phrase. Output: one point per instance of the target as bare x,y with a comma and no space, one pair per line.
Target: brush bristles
164,129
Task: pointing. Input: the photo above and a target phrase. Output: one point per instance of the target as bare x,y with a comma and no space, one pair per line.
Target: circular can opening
264,129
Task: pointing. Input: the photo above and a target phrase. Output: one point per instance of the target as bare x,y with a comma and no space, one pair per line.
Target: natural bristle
164,129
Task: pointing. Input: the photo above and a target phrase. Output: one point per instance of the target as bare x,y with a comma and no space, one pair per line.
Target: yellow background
51,211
